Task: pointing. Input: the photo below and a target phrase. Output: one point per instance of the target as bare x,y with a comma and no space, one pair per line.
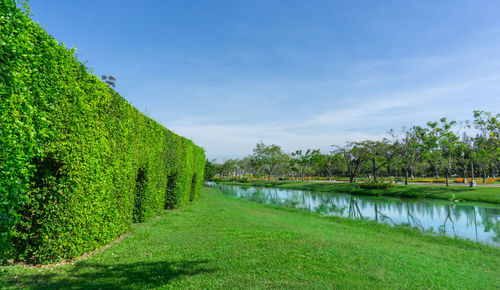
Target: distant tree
442,143
462,150
293,166
245,165
109,80
317,162
268,158
331,161
489,125
303,161
417,150
409,147
482,155
230,167
354,155
210,169
379,154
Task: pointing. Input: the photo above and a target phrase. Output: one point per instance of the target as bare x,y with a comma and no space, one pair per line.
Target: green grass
224,242
479,193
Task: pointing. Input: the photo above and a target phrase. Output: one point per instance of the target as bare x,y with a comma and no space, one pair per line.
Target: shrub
78,164
410,194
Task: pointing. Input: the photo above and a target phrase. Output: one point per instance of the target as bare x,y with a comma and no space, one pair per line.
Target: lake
474,221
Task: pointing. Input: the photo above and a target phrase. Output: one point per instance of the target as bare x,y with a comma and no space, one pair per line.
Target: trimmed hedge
78,163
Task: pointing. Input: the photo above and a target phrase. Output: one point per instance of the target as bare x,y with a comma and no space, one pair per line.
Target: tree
489,125
245,165
441,139
210,169
302,160
109,80
317,161
268,158
409,147
293,166
229,167
354,155
482,155
462,151
329,162
380,153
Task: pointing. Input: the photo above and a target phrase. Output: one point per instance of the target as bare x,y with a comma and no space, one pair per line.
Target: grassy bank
223,242
480,194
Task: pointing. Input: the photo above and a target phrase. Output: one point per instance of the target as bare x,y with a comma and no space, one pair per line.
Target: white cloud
368,119
362,103
227,141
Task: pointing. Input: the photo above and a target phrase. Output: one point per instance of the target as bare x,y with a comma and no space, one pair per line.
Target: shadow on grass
87,275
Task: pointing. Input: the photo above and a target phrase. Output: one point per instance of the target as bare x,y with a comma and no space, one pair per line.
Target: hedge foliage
78,164
376,185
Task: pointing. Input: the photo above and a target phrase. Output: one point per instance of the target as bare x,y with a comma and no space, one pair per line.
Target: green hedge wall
78,163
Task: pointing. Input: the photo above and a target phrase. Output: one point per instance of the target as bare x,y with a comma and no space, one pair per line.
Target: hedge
78,163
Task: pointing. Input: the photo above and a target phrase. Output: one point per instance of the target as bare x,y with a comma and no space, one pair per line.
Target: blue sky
300,74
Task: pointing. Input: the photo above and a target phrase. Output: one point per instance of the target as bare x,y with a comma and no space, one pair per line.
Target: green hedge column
78,164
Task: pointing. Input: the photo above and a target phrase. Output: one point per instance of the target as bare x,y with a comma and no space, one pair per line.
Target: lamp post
465,167
351,171
472,183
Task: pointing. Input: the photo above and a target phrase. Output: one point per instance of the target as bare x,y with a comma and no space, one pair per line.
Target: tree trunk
374,170
406,176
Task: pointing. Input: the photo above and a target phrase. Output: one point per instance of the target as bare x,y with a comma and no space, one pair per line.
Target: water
473,221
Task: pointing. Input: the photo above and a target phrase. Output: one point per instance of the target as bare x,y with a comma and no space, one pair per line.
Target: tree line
437,149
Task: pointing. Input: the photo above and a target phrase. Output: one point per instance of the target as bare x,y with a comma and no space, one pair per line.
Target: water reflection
477,222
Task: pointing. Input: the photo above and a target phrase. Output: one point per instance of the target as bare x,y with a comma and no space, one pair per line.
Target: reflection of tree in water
471,218
442,228
491,222
354,211
337,210
380,215
322,208
457,211
257,196
327,206
273,196
495,228
413,221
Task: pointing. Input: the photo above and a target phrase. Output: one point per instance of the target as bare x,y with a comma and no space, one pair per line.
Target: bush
78,164
410,194
376,185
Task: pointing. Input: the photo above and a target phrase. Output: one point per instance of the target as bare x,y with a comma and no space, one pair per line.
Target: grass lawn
479,193
224,242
